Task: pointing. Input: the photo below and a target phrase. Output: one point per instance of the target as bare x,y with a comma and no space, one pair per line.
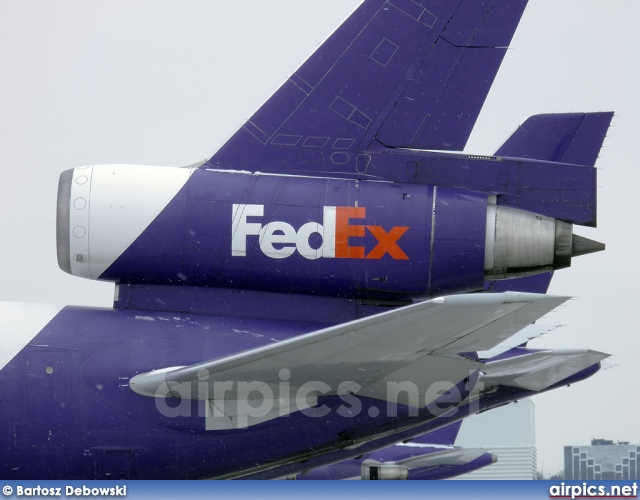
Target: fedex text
280,240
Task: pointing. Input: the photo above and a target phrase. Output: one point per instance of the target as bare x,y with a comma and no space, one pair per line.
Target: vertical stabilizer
403,73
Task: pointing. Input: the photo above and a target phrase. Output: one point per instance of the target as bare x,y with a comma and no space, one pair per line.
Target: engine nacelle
372,470
340,237
103,209
522,243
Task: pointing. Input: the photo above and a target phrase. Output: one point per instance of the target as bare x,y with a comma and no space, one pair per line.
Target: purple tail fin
565,138
402,73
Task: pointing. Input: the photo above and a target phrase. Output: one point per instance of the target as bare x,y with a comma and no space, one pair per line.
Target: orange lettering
344,231
387,243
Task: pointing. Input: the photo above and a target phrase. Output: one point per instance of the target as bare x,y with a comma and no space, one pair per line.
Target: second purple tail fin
564,138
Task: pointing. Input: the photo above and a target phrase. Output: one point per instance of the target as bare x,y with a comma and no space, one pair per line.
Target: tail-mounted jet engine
352,238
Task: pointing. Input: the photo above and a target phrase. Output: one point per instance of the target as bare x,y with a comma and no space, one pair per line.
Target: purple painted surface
254,303
64,421
331,118
445,95
84,421
459,240
352,468
431,65
484,24
367,81
443,436
449,471
503,395
564,138
538,283
190,242
562,191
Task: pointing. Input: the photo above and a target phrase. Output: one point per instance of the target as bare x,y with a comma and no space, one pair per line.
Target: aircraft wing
457,456
417,343
538,370
522,337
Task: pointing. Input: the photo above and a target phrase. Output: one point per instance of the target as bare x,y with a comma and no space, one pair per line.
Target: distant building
603,460
508,432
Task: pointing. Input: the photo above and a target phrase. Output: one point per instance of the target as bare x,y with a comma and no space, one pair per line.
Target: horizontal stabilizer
539,370
565,138
418,343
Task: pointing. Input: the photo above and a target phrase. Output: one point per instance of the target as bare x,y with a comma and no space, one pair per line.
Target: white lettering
347,392
280,240
117,491
219,391
442,396
246,409
329,232
36,491
412,400
240,228
302,398
302,241
277,233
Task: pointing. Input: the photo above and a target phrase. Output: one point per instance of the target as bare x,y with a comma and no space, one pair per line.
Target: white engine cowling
102,209
372,470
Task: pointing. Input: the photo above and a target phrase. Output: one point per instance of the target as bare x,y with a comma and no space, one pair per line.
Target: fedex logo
280,240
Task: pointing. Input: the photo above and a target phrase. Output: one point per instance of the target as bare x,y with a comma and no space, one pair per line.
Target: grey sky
167,82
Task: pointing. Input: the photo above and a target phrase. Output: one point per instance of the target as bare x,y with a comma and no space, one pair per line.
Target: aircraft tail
402,73
574,138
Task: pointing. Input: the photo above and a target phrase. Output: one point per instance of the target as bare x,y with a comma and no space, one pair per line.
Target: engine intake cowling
103,209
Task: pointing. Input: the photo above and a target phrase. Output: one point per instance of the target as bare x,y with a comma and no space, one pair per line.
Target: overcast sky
167,82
